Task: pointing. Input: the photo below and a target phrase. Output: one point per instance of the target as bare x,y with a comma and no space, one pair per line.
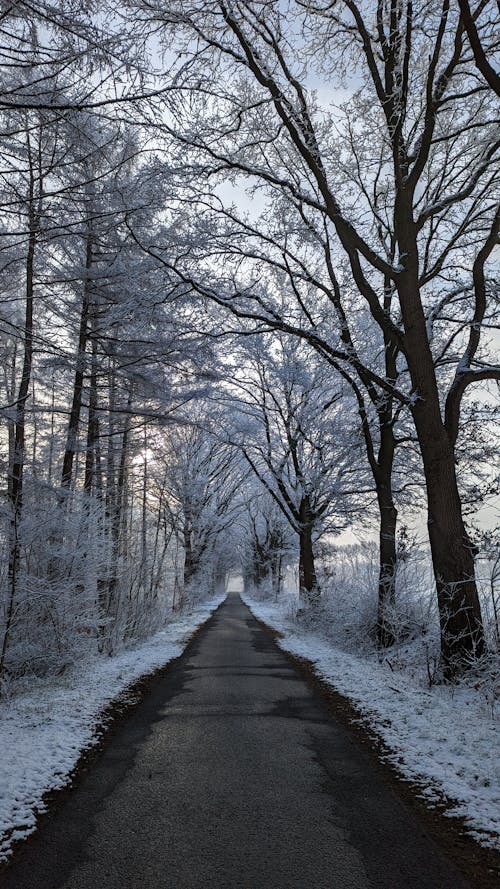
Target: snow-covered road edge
443,740
44,732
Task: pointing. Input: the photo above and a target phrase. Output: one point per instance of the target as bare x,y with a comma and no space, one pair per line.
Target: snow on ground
44,731
445,738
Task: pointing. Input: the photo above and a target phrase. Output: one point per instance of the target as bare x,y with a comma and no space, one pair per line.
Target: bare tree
289,433
417,162
38,156
202,478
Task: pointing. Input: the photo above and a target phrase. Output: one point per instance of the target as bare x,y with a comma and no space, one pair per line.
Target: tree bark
144,515
93,472
117,527
276,575
76,404
381,466
462,635
308,582
387,568
16,468
387,517
11,426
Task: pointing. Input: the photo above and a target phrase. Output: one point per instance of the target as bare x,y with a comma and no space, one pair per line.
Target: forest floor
232,771
444,739
44,731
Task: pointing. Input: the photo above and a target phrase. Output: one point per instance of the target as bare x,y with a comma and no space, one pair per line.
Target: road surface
232,774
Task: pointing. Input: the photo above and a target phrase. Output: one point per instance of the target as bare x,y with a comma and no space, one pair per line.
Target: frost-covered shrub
349,586
347,612
77,593
488,578
484,677
54,616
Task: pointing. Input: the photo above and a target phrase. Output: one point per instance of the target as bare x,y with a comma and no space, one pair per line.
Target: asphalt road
232,774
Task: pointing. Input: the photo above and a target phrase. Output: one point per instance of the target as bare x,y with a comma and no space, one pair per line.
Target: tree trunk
93,474
452,555
111,432
156,565
34,424
276,576
462,635
189,565
117,529
383,482
308,583
387,569
76,404
11,426
16,468
144,515
260,562
52,431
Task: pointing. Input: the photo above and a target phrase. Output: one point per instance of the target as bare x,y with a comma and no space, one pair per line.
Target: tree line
249,298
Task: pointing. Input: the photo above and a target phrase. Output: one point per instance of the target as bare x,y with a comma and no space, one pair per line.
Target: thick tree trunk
387,569
387,508
452,555
462,635
308,582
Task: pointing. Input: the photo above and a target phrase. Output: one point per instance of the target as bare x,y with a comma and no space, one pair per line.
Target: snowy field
44,731
446,739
